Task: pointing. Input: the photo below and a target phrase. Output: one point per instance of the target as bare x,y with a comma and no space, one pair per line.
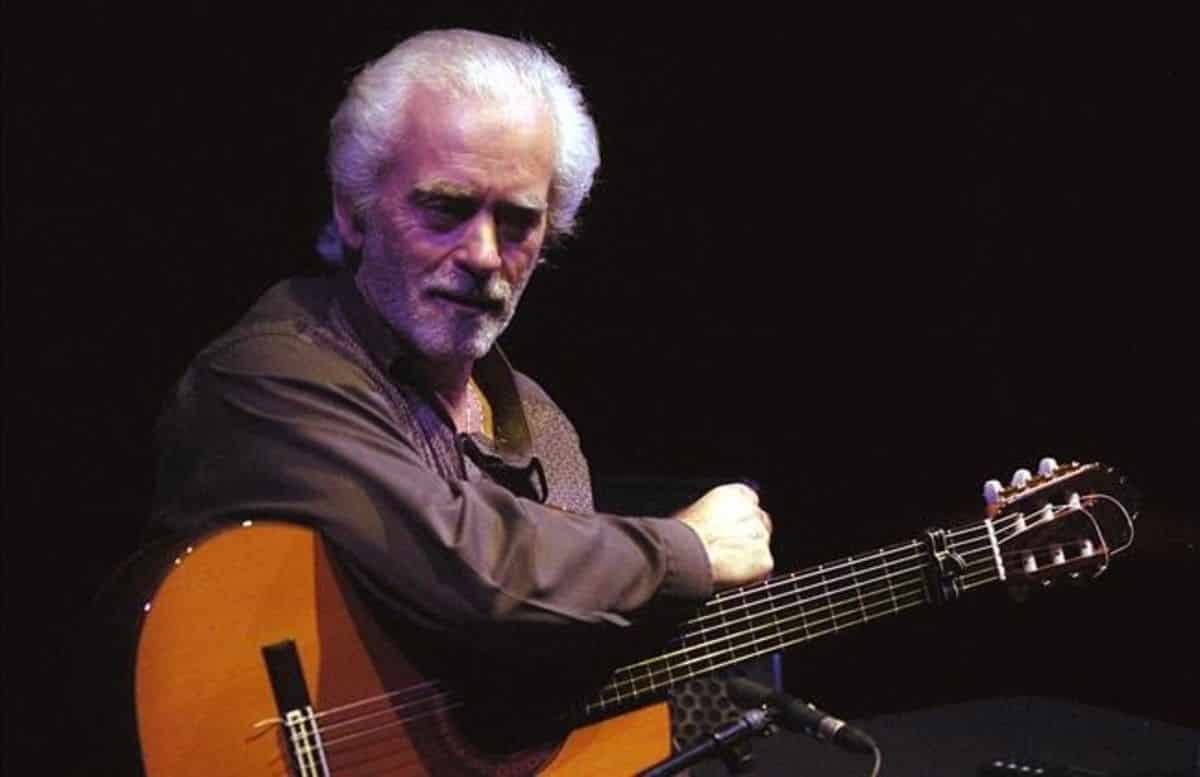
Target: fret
887,577
798,593
627,680
635,692
828,599
858,590
705,651
775,623
761,608
749,612
881,592
667,662
725,630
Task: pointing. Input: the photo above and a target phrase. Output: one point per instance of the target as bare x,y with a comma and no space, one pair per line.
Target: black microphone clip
795,715
723,742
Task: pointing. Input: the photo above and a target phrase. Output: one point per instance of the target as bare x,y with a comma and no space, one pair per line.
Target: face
459,223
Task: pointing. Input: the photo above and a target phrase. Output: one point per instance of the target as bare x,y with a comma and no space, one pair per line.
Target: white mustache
494,292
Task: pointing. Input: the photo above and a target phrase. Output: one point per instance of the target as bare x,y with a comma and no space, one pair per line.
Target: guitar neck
744,623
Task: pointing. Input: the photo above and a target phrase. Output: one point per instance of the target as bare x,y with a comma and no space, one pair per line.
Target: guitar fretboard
756,620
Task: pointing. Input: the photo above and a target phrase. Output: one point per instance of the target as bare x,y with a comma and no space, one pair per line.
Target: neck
447,378
452,387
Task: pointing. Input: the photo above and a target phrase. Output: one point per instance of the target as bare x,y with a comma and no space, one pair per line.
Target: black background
868,260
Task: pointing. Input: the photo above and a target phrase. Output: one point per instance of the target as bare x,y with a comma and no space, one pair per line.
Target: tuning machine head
1023,482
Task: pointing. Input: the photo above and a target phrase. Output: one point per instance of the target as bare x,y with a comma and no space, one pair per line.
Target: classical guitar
251,653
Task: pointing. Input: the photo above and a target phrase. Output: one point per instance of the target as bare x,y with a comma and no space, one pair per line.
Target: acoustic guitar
249,652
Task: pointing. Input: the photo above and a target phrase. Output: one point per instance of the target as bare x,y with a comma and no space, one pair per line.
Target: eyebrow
442,188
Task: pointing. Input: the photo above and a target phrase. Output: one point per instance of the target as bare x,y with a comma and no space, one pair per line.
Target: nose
481,247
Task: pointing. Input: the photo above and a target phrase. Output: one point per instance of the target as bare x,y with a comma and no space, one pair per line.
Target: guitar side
205,703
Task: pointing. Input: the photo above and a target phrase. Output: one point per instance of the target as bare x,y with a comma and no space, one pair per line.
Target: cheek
517,269
525,258
405,247
522,274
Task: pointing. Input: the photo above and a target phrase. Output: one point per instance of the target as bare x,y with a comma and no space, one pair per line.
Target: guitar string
692,648
787,580
733,658
779,634
986,571
408,689
811,627
908,590
433,685
832,607
790,581
329,743
856,619
815,619
1107,552
733,661
793,578
736,656
846,607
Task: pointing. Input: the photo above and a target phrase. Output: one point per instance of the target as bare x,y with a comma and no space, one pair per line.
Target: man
376,407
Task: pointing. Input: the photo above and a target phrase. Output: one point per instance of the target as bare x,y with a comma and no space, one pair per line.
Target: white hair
465,63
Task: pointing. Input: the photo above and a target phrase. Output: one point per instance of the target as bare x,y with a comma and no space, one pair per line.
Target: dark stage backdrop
866,260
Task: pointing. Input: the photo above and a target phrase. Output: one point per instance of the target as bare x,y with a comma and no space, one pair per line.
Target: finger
765,517
747,491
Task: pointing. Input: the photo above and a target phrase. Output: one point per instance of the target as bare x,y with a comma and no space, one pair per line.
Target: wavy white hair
466,63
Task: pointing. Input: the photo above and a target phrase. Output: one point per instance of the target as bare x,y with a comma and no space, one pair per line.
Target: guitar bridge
303,735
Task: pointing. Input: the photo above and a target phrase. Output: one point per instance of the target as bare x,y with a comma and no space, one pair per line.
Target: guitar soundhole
509,730
485,740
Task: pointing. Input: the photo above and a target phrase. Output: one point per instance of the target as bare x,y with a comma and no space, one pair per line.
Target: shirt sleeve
277,427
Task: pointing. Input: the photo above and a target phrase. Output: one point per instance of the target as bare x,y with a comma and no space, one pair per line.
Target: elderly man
375,406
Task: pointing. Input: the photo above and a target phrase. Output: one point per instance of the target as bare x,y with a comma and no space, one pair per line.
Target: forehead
476,143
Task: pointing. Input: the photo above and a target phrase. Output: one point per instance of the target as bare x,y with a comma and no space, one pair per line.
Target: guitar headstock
1066,521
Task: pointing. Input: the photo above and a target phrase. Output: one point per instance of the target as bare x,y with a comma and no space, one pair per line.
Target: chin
450,348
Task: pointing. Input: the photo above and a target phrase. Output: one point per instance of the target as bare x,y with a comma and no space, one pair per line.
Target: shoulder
530,390
545,416
287,333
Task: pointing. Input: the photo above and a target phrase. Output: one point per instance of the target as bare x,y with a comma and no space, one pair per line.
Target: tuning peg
991,492
1021,478
1047,466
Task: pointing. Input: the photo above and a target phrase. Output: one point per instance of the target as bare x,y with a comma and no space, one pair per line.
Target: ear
349,225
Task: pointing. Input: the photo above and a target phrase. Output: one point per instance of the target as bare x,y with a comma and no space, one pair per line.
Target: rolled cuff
689,574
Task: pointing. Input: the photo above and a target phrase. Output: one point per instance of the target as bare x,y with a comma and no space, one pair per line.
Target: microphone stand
726,742
770,707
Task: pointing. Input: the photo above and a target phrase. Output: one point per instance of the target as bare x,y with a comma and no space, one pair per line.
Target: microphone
795,715
753,721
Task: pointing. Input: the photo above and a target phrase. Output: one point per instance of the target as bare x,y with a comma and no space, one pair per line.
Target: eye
515,223
445,213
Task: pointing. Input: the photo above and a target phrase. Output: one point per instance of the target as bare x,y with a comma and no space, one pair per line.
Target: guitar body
205,702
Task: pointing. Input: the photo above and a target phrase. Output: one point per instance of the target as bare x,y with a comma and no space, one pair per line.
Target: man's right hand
736,533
